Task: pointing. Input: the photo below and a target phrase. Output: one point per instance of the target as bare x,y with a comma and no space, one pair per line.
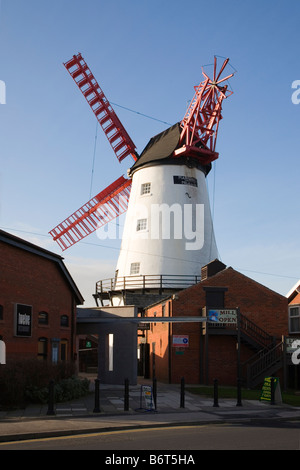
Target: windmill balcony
146,286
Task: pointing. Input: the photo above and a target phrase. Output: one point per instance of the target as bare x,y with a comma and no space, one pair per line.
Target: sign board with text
180,341
266,390
23,320
222,316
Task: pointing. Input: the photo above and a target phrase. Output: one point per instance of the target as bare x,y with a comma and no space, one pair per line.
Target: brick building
201,352
38,300
294,336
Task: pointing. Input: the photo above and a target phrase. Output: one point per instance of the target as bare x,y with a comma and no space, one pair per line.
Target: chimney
211,269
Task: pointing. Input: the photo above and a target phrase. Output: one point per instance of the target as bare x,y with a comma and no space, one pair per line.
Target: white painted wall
167,256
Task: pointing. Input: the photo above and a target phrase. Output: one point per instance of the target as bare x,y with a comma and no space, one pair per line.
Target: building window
64,320
42,349
145,188
43,318
134,268
1,312
141,225
294,319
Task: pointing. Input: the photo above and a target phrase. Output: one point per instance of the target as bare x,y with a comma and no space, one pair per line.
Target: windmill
166,181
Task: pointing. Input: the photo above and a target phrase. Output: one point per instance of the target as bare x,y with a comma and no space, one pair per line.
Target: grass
289,397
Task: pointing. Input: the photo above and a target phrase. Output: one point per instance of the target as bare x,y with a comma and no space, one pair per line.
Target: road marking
102,433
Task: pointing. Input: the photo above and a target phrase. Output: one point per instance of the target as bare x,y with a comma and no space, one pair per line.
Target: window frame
43,321
293,317
145,189
64,318
134,265
141,225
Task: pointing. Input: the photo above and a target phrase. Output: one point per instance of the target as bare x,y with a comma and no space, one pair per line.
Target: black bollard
51,411
182,393
216,394
126,395
154,391
239,392
97,396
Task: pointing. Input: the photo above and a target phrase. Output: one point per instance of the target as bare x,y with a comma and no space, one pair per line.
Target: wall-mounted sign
222,316
190,180
23,320
180,341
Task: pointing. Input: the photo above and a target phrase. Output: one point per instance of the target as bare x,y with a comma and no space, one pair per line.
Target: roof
161,148
293,292
17,242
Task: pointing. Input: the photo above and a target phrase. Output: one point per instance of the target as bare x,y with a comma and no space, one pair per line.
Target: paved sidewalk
80,416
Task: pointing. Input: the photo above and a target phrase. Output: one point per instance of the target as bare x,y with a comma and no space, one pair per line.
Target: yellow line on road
101,433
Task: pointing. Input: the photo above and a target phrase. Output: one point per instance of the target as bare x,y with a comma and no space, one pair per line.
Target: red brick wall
159,334
29,279
266,308
296,300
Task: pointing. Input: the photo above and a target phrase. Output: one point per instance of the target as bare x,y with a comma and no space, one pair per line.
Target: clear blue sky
147,56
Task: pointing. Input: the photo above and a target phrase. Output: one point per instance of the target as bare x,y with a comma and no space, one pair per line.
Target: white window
141,225
294,319
134,268
145,188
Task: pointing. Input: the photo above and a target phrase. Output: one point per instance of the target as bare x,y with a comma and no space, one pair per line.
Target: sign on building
180,341
23,320
222,316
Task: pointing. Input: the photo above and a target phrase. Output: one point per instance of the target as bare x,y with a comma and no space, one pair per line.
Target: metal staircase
268,358
268,352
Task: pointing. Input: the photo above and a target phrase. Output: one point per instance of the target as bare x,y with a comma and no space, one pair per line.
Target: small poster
266,390
146,391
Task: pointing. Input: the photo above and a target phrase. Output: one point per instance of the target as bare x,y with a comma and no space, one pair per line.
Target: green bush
28,381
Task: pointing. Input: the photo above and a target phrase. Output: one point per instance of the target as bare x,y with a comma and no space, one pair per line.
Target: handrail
150,281
255,332
268,359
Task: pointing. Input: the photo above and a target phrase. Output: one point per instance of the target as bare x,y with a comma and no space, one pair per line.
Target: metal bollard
239,392
97,396
216,394
126,395
51,411
182,393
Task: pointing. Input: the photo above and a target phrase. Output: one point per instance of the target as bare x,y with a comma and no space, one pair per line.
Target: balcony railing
159,281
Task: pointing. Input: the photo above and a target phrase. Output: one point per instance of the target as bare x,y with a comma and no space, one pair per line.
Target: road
181,439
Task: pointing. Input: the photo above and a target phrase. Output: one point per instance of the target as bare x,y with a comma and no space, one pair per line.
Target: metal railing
265,361
159,281
256,333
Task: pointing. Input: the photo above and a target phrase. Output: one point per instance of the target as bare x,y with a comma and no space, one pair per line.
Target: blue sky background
147,56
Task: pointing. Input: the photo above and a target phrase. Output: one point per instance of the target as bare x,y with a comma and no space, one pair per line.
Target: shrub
28,380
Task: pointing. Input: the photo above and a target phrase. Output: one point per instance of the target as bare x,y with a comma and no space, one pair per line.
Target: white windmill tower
168,234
